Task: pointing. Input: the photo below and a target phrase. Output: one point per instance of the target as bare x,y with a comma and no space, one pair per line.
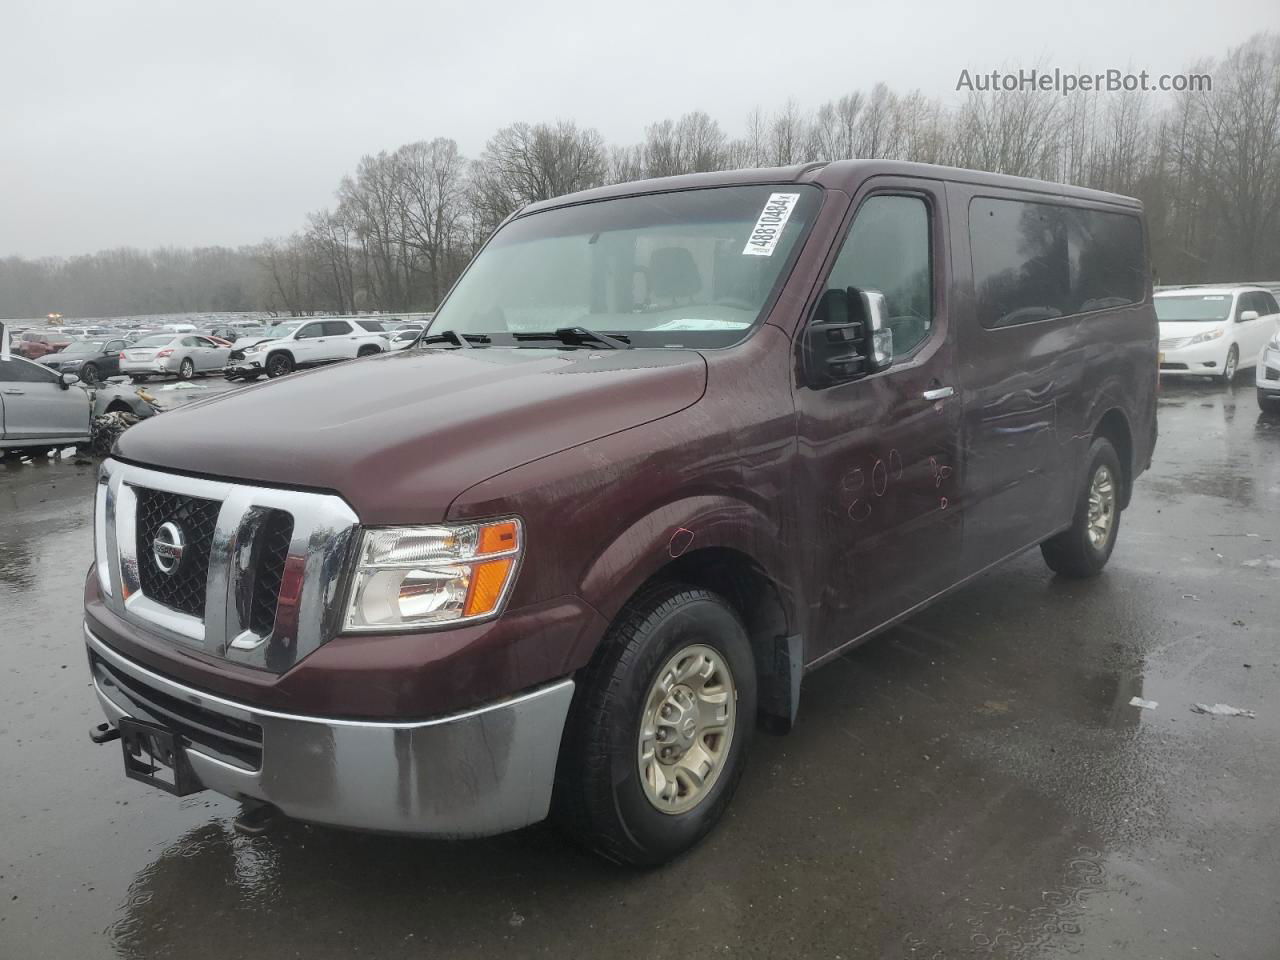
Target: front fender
677,529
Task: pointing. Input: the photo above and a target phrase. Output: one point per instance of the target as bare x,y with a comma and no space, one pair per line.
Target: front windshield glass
277,330
1189,309
83,346
693,268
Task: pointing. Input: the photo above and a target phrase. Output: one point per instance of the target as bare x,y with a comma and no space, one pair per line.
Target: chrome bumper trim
474,773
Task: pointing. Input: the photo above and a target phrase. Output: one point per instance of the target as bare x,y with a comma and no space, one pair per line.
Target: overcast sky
192,122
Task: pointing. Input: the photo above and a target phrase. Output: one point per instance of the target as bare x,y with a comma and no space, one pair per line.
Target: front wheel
89,374
1268,401
1231,366
1083,549
279,364
661,724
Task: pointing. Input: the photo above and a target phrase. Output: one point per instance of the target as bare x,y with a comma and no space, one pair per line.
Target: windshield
693,268
83,346
1201,308
277,330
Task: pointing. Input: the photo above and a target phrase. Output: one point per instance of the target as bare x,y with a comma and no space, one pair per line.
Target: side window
1269,303
888,250
17,370
1020,263
310,331
1036,261
1255,302
336,328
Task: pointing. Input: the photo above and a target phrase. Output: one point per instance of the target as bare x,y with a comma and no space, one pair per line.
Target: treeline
405,222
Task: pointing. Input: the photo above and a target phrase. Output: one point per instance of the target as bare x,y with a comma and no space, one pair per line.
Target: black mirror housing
847,337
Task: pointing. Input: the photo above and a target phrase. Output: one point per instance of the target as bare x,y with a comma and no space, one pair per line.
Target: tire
601,799
1232,365
368,351
89,374
139,377
279,364
1268,402
186,369
1074,553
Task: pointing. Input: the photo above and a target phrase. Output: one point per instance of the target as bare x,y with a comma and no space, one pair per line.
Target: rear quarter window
1036,261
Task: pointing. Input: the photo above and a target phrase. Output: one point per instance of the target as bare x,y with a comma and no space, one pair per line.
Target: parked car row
1214,331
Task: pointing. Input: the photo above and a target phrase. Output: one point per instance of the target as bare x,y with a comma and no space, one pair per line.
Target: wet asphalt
973,783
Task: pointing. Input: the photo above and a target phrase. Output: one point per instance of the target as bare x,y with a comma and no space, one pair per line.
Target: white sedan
185,354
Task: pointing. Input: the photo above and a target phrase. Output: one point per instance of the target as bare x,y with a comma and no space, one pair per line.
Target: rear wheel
1083,549
367,351
660,728
186,369
1231,366
279,364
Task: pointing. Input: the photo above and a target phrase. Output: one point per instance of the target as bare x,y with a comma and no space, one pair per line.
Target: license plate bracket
153,755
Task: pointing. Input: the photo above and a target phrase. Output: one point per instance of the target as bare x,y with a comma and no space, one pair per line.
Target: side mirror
68,380
1247,316
847,337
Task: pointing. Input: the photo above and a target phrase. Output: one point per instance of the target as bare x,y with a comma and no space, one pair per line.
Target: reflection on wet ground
974,783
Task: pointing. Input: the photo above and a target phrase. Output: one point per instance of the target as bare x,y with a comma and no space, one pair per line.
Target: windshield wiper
451,336
579,337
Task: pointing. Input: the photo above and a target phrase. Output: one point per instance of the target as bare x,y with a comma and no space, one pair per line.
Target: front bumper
1201,359
242,368
475,773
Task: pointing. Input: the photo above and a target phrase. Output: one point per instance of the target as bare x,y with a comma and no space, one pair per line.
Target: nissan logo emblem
167,547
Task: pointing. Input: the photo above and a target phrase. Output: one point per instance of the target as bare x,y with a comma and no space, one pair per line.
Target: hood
1179,329
242,342
399,436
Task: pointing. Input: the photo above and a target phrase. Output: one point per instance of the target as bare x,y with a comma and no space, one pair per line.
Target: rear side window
336,328
373,326
1036,261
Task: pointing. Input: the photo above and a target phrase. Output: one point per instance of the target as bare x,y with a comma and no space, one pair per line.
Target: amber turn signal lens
498,538
487,581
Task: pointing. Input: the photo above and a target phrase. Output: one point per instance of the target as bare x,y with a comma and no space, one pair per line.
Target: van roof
836,175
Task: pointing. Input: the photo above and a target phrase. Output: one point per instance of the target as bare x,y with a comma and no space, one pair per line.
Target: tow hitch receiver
153,755
103,733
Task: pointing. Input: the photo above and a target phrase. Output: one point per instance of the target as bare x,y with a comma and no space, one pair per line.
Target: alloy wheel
686,728
1102,507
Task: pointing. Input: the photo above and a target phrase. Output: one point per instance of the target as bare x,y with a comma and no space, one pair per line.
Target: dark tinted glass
1035,261
336,328
888,250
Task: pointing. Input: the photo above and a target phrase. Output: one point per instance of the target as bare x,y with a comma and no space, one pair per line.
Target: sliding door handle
940,393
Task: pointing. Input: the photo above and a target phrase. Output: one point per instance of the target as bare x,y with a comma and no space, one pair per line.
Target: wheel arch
1114,425
732,549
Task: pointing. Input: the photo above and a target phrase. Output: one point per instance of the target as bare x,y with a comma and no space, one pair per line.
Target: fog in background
148,124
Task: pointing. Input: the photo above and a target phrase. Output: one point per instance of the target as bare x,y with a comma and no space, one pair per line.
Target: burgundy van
666,447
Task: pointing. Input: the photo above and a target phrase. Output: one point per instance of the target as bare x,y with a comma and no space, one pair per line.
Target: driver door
38,406
879,455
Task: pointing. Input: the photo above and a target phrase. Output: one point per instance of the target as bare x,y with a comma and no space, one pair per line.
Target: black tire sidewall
658,836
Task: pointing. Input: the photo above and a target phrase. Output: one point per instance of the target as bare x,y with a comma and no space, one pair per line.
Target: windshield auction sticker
768,229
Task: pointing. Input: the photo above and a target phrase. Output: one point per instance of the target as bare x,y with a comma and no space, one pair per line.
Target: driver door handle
12,393
939,393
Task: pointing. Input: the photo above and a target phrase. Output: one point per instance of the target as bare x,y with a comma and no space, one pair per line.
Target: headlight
410,577
1206,336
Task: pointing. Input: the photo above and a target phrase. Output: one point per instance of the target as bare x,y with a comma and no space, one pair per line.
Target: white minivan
1214,331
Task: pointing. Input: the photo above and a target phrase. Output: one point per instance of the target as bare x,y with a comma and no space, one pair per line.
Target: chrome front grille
261,570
